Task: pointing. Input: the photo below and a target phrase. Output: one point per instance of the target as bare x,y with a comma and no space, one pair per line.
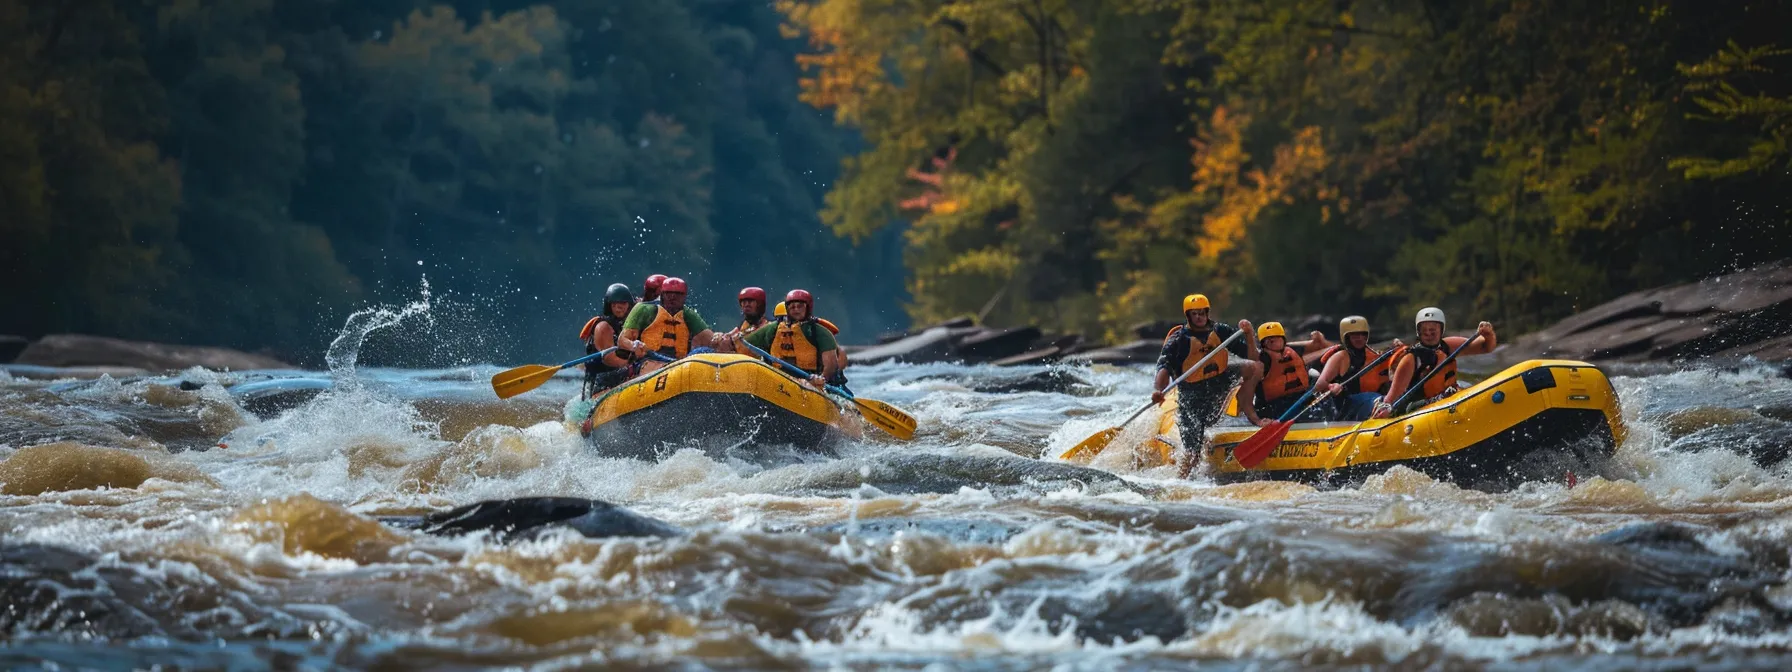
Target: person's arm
1402,377
701,336
1250,340
637,319
1488,341
761,338
1166,358
830,351
605,337
1334,367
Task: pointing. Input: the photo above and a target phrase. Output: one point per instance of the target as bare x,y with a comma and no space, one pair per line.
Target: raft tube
721,402
1538,420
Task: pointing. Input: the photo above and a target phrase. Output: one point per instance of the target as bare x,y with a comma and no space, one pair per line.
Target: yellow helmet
1268,329
1195,302
779,311
1355,324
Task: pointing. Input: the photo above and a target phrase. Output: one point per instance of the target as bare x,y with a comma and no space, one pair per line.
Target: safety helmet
1355,324
1195,302
653,283
779,311
618,293
1429,314
803,296
754,293
674,285
1268,329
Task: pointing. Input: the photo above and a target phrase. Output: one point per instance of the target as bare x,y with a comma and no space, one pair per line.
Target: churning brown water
206,525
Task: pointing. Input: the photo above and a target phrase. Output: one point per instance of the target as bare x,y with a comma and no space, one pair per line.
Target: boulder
932,345
1747,313
78,350
1155,330
1136,352
988,344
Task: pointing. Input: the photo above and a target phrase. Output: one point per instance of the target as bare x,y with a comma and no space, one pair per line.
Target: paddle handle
791,368
1420,383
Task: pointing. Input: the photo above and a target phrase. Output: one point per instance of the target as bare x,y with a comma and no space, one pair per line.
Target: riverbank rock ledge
79,350
1743,314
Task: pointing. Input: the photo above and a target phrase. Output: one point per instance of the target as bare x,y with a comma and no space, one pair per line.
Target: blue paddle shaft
589,357
791,368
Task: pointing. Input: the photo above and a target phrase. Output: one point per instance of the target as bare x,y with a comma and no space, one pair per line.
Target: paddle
1420,383
1092,446
895,421
1251,452
512,382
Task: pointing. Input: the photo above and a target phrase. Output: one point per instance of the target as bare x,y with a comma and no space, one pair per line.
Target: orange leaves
846,70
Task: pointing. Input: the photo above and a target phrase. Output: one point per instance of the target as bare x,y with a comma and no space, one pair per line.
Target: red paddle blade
1251,452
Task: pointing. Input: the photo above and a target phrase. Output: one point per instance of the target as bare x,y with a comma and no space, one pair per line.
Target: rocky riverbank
1726,317
80,355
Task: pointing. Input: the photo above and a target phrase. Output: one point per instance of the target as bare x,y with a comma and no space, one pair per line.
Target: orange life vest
1284,374
792,345
1376,380
668,335
1196,351
748,327
1425,359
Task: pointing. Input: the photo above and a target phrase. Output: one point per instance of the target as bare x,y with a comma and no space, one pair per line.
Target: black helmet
618,293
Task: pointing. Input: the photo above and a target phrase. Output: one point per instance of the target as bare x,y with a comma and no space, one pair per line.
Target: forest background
245,173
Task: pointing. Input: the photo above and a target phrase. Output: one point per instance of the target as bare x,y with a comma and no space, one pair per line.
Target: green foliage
1510,160
244,173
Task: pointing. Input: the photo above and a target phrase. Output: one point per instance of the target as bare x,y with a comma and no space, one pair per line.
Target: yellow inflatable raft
1537,420
720,402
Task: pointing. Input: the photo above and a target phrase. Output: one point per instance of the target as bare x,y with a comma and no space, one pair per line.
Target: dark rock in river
528,517
268,398
1748,313
1136,352
74,350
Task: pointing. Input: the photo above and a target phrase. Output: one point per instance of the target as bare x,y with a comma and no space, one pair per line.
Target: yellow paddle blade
888,418
1092,446
512,382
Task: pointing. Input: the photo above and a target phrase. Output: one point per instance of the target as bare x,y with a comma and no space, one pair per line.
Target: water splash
346,348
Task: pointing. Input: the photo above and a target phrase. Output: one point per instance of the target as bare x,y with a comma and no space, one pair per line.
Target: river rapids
258,519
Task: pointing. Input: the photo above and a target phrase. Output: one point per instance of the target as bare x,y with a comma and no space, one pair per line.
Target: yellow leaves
848,66
1219,170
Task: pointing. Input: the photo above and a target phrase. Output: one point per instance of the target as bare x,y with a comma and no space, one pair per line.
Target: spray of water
346,348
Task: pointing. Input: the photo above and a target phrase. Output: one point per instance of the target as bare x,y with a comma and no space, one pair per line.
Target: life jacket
1284,374
794,343
1376,380
747,327
1425,359
1196,351
668,335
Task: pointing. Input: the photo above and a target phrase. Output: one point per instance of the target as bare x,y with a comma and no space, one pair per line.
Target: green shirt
817,334
644,314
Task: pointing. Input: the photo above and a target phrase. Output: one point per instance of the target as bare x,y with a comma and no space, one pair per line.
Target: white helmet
1429,314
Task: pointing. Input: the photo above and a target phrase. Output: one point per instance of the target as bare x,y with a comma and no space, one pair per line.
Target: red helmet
653,282
674,285
754,293
803,296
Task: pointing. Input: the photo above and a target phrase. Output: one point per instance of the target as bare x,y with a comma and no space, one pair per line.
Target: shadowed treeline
1067,162
244,173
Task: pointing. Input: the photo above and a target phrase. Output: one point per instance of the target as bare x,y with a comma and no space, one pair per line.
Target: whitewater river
228,539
